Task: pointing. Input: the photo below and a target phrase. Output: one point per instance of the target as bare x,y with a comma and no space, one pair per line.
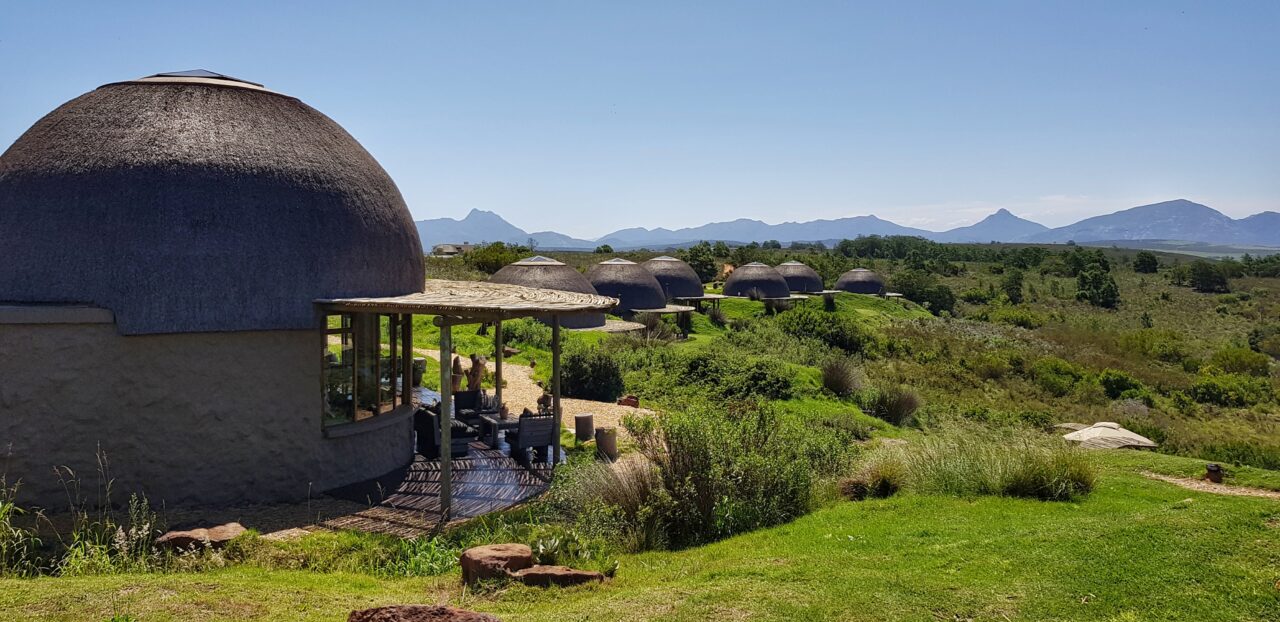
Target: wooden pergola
457,303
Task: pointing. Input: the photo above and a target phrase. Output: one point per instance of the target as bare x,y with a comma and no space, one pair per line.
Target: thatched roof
628,282
477,300
198,203
860,281
546,273
677,278
1108,435
800,278
756,277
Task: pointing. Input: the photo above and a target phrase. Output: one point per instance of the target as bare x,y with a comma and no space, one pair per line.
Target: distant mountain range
1180,220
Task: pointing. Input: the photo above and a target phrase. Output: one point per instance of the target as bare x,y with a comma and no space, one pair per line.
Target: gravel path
1217,489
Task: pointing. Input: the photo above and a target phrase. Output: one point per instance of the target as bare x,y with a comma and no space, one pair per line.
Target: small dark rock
419,613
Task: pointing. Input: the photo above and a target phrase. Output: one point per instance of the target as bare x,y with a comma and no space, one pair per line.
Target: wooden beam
446,417
393,333
406,364
498,355
555,387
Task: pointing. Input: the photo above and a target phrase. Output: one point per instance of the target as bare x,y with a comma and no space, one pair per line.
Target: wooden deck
407,503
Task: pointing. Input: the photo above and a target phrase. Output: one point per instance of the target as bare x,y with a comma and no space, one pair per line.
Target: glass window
362,365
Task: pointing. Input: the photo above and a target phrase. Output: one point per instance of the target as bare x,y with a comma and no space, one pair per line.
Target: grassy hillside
1136,549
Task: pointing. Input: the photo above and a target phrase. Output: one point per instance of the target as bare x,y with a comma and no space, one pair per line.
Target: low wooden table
496,424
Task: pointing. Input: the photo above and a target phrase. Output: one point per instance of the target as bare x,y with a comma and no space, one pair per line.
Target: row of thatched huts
651,286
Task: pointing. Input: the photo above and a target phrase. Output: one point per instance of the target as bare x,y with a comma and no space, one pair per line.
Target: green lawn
1136,549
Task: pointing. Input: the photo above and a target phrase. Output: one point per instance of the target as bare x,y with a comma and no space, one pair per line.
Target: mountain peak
1003,213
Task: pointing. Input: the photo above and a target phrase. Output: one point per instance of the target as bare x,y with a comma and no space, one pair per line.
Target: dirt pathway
1210,487
521,392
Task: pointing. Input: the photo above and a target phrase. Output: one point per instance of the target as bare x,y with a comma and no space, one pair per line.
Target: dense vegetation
770,419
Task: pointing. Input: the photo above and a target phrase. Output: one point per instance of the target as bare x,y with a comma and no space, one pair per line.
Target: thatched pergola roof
1109,435
477,300
629,283
756,277
546,273
677,278
800,278
130,195
861,281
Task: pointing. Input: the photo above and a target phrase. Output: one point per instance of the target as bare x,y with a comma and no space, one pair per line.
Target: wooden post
555,386
393,332
406,362
446,416
498,354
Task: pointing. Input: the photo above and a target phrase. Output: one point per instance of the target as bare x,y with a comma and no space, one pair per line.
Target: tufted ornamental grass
967,461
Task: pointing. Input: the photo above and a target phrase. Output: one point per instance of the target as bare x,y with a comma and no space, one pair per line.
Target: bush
1214,386
841,376
1017,316
1241,361
716,316
1146,263
923,288
976,296
837,331
736,378
1207,278
1098,288
493,257
528,332
1117,384
591,374
1266,339
1055,376
893,404
971,460
727,471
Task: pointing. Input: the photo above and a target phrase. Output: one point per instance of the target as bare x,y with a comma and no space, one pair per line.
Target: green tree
923,288
1098,288
1011,285
604,249
492,257
771,244
1208,278
720,249
702,259
1146,263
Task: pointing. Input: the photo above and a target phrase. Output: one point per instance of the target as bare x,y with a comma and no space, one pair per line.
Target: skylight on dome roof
201,73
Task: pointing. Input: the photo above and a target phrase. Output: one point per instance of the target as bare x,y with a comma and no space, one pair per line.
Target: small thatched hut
1109,435
164,242
677,278
756,279
861,281
546,273
800,278
628,282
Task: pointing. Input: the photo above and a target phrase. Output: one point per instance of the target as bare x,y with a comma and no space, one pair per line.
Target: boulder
494,561
214,537
629,400
561,576
419,613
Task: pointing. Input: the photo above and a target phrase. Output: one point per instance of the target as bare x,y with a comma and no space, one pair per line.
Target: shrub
727,471
923,288
625,498
1017,316
1214,386
1098,288
1055,376
893,404
1011,285
1146,263
976,296
1207,278
492,257
529,332
716,316
736,378
1118,384
1266,339
971,460
837,331
1241,361
841,376
590,373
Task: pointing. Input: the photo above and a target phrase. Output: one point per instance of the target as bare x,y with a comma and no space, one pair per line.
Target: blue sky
585,117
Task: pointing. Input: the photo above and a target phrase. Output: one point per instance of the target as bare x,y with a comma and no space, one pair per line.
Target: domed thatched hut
677,278
628,282
546,273
756,278
165,240
861,281
800,278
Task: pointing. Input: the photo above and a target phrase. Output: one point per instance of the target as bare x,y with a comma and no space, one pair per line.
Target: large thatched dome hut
677,278
800,278
861,281
164,242
756,279
546,273
632,285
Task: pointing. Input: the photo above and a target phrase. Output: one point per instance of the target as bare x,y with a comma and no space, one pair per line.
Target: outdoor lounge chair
469,405
536,432
425,424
